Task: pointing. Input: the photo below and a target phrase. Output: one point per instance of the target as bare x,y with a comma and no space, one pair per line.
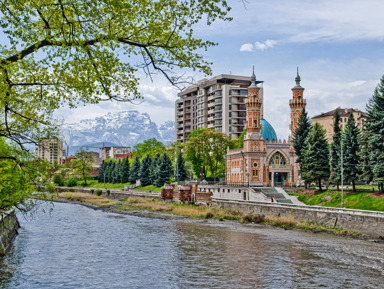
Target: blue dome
267,131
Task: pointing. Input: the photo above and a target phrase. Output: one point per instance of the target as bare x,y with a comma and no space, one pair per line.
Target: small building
112,152
326,119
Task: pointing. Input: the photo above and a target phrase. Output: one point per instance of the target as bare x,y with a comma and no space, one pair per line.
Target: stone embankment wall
8,230
369,223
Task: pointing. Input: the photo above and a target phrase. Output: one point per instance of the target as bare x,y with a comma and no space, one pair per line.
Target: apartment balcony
211,111
210,118
179,112
180,125
187,124
187,110
211,104
210,126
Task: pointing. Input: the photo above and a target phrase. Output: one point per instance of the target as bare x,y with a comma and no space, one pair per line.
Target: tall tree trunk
305,185
353,185
337,186
320,184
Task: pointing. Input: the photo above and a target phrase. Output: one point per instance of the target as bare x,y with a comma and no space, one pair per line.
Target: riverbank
160,209
359,200
9,225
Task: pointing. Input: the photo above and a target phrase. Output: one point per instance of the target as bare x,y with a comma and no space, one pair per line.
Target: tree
116,172
111,170
154,169
375,133
82,163
351,147
134,171
180,172
164,170
335,169
365,172
87,51
300,135
316,156
124,172
208,148
150,146
144,171
102,170
238,143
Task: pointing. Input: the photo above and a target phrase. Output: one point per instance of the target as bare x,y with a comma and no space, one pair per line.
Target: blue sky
338,46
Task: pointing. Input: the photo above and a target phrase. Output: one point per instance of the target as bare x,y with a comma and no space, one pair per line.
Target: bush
72,182
58,180
108,192
92,191
99,192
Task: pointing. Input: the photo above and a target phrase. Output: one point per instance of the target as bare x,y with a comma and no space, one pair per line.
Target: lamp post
248,174
342,172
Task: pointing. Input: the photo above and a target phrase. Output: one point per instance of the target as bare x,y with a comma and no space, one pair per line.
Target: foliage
365,170
153,170
300,135
144,170
108,192
58,180
335,169
375,132
124,171
134,171
99,192
151,146
110,170
82,163
238,143
78,51
164,170
316,166
351,147
116,172
180,172
72,182
207,148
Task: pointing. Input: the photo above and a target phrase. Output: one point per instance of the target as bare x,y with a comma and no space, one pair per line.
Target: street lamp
248,174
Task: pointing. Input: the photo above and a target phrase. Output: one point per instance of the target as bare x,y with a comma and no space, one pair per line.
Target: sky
338,46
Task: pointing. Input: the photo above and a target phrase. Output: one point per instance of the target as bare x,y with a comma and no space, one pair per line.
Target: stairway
273,193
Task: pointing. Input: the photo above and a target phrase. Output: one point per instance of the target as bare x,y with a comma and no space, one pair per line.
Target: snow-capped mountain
125,128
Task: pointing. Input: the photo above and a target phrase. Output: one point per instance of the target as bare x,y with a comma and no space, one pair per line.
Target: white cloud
246,47
265,45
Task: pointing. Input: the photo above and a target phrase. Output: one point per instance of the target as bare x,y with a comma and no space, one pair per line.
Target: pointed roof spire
298,79
253,78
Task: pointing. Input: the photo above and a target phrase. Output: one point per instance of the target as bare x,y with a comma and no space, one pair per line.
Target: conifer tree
180,171
101,172
144,170
124,171
111,171
164,170
335,175
299,136
116,172
365,170
153,170
316,155
351,147
134,171
375,130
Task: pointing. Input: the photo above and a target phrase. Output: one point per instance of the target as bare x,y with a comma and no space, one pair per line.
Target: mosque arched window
277,159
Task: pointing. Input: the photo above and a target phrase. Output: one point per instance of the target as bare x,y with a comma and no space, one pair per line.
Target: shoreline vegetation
155,208
364,199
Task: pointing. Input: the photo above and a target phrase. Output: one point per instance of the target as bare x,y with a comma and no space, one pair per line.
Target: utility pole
342,171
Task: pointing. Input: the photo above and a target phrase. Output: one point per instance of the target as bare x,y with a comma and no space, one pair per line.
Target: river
78,247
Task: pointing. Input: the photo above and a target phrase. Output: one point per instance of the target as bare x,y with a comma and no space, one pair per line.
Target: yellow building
50,149
326,120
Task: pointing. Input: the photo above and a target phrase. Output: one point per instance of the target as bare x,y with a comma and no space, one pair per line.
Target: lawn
366,200
96,184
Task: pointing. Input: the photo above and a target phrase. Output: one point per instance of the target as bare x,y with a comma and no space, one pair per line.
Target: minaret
297,103
254,105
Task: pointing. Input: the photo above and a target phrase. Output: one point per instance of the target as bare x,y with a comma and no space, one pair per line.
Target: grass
352,200
148,188
193,211
84,198
96,184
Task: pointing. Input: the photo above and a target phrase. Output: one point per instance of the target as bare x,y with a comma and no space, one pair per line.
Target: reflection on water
77,247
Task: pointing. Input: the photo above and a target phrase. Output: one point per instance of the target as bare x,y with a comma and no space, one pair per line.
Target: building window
255,173
255,165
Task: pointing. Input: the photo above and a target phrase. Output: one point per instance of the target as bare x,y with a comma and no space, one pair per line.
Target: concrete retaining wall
8,230
370,223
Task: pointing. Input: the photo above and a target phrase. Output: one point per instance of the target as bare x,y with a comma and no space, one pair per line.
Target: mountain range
125,128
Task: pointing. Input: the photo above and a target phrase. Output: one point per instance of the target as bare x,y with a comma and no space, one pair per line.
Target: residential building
114,152
217,103
326,119
264,160
50,149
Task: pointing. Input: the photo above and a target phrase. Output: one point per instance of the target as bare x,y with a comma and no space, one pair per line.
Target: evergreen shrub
72,182
99,192
58,180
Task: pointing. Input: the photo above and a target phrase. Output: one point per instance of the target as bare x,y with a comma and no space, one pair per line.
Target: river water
77,247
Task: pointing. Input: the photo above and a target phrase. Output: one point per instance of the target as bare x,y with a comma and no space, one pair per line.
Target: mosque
264,160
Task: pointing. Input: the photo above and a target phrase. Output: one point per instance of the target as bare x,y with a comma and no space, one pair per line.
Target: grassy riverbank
198,212
362,200
96,184
83,198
